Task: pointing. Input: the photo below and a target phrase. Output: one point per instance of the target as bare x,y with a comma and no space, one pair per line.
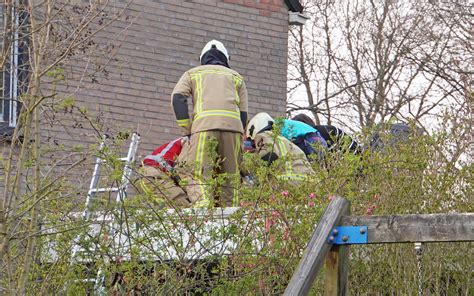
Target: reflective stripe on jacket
295,165
219,95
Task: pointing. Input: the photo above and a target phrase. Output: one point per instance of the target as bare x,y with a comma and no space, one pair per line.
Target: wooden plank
317,249
337,268
337,271
456,227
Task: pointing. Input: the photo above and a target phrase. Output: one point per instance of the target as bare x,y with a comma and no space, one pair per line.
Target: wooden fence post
452,227
337,268
317,249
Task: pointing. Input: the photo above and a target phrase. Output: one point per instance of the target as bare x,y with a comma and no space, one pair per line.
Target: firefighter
159,175
302,135
294,166
162,186
215,129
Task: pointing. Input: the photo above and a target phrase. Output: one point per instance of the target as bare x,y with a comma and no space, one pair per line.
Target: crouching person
299,133
293,165
159,176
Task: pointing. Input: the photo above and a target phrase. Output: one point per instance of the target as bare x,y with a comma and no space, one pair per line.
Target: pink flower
369,211
247,265
245,204
261,285
286,235
312,195
268,224
285,193
272,239
275,214
311,204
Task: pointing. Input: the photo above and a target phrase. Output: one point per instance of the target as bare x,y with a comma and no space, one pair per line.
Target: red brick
233,1
162,42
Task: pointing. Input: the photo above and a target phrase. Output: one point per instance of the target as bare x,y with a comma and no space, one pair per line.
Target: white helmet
217,45
257,123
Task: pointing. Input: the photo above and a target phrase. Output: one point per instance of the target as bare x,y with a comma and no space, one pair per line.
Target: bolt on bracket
348,235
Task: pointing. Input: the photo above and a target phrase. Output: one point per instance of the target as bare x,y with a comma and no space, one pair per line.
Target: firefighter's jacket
293,166
219,98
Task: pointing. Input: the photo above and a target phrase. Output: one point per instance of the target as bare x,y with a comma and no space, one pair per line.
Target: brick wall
159,40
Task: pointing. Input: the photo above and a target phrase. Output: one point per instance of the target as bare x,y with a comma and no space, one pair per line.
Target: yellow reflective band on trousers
184,122
204,200
235,197
225,113
293,177
149,192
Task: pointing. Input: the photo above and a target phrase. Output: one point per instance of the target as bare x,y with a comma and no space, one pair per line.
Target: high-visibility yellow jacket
294,165
219,96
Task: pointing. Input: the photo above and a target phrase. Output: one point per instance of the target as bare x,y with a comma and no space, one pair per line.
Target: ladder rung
85,281
109,189
124,159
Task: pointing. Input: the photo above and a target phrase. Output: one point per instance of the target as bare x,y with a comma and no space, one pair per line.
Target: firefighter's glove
185,139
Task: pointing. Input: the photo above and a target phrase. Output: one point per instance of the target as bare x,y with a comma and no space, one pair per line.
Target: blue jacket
292,129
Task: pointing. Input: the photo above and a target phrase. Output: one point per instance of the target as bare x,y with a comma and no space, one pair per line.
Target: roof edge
294,5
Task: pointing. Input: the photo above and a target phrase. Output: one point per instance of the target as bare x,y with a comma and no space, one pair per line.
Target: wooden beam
337,268
337,271
415,228
317,249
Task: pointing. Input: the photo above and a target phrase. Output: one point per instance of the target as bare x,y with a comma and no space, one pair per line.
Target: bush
255,250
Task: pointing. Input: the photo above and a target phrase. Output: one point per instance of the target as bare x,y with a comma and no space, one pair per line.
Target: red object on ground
164,157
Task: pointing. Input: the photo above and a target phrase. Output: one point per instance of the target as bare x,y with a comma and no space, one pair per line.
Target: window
2,61
13,62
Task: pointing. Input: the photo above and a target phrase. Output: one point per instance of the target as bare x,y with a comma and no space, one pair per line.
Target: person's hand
185,139
248,146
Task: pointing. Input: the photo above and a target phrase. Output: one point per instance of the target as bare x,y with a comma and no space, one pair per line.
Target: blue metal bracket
348,235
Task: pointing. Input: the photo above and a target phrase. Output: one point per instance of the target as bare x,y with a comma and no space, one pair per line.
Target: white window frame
10,77
2,98
14,72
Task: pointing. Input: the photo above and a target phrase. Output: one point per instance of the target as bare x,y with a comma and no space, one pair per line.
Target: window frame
15,71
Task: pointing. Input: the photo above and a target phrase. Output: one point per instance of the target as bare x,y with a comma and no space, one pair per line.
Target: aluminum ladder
121,192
